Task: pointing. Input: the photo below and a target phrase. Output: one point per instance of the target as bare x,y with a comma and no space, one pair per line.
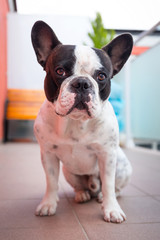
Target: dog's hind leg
80,185
123,172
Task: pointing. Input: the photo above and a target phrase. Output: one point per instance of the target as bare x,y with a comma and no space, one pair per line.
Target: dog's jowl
77,125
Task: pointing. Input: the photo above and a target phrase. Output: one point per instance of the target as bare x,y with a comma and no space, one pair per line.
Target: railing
146,33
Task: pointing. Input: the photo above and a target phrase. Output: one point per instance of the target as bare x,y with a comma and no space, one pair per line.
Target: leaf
99,35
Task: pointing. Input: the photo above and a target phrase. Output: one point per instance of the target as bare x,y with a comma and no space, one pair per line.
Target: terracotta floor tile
137,210
111,231
143,220
157,198
144,157
146,168
146,180
131,191
19,214
141,209
22,184
58,233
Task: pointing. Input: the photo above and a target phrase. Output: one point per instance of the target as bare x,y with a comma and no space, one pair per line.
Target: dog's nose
81,84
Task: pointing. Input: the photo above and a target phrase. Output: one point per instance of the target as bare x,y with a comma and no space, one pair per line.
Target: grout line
74,213
147,194
154,197
125,223
140,223
20,199
83,230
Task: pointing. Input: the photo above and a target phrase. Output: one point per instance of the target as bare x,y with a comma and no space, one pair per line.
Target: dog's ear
50,88
119,50
43,41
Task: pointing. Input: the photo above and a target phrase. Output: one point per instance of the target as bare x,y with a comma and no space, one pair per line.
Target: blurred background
135,90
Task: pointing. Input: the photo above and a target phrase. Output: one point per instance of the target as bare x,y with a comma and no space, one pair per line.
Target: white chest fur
76,143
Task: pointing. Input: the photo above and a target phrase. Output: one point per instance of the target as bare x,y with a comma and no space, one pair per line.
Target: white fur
86,145
86,61
65,99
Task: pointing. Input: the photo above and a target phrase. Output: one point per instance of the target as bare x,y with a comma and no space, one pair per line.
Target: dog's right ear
43,41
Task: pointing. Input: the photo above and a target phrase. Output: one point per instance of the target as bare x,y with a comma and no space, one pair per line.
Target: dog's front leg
112,210
49,202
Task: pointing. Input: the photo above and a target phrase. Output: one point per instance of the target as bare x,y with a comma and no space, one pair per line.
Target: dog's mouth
80,106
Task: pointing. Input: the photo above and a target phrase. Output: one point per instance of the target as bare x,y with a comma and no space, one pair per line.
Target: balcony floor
22,184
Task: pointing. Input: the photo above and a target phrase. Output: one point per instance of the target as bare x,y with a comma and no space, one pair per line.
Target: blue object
117,103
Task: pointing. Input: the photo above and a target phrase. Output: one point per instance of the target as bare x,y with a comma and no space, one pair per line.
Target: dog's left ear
119,50
43,40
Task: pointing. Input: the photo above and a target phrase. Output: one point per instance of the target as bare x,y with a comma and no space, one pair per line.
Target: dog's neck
62,124
59,123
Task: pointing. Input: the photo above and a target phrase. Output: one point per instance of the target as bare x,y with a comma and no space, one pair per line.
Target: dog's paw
113,213
46,208
82,196
114,216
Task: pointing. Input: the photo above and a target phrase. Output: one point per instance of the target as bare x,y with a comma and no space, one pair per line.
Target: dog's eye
101,76
60,72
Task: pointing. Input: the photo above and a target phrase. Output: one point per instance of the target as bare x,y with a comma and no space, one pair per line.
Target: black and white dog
77,124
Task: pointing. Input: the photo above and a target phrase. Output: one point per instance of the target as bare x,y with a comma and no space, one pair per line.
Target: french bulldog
77,125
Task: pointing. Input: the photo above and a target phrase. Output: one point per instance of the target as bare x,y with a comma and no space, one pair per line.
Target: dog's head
78,77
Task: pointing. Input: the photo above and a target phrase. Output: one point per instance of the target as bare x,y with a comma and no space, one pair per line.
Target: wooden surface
24,104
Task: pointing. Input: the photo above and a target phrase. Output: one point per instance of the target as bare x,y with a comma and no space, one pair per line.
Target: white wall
23,68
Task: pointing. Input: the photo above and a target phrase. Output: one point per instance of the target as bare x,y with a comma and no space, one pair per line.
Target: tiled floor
22,184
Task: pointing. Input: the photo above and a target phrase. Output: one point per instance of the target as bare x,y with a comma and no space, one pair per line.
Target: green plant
100,36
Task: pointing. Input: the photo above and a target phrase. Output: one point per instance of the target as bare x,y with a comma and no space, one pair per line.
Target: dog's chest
76,145
78,158
77,149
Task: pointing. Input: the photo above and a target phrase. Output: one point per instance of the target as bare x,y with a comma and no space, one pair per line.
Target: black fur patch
63,57
105,85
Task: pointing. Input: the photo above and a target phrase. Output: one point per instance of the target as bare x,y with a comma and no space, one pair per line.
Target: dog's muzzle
78,98
82,87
